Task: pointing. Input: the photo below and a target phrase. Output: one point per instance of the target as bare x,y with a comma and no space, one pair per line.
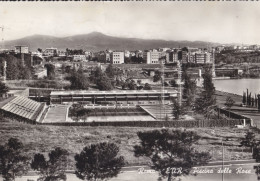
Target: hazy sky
223,22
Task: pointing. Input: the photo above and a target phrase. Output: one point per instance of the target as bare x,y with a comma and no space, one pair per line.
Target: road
233,171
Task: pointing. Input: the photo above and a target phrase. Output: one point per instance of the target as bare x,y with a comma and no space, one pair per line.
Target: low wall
186,124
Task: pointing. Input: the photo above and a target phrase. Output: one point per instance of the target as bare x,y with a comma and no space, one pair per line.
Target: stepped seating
158,111
24,107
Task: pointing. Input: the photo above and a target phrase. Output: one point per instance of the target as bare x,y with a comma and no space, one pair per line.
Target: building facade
50,52
117,57
79,58
21,49
151,57
114,97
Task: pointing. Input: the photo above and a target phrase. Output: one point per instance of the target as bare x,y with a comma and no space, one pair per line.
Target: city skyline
219,22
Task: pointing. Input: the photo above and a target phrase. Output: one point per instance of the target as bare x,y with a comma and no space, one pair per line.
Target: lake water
237,86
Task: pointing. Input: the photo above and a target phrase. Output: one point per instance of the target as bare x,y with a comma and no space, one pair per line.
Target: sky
220,22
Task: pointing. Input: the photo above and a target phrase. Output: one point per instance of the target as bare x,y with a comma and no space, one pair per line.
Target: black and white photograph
129,91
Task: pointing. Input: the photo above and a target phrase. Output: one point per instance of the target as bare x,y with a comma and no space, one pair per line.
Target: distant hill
97,41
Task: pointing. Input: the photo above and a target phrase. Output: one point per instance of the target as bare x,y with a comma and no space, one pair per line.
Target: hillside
97,41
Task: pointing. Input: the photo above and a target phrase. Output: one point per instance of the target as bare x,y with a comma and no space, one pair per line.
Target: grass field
42,138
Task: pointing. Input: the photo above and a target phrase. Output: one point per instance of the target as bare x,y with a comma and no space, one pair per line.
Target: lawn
43,138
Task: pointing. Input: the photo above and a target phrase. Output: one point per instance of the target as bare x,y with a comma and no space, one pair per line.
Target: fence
185,124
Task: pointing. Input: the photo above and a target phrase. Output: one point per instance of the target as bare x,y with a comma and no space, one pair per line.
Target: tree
50,71
98,162
206,101
157,76
53,169
189,89
244,98
39,50
78,80
147,86
13,163
178,110
3,88
249,140
169,149
173,83
229,103
104,83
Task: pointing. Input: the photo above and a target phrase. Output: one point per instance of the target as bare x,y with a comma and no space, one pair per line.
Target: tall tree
169,149
206,100
178,109
189,89
3,88
50,71
53,169
13,162
244,98
98,162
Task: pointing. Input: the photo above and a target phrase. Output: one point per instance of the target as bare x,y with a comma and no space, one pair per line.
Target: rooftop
112,92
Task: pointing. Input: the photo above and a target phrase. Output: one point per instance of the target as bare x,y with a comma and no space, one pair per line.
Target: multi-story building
253,47
79,58
50,52
171,57
151,57
103,57
202,58
21,49
117,57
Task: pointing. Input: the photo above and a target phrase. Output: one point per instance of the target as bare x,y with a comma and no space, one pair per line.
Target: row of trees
201,101
250,100
14,68
167,149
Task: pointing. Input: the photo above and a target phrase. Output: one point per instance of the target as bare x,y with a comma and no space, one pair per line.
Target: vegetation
229,102
157,76
101,79
3,88
78,80
205,103
13,162
189,90
249,140
169,149
78,111
50,71
53,169
178,109
14,68
98,162
147,86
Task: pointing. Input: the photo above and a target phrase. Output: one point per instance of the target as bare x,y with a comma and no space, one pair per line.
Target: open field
42,138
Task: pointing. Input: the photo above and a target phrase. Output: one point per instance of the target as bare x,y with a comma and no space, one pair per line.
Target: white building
117,57
151,57
21,49
50,52
79,58
202,58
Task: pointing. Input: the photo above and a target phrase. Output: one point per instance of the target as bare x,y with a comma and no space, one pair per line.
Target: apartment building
21,49
117,57
50,52
151,57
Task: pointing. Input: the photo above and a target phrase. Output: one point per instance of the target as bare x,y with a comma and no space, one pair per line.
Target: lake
237,86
